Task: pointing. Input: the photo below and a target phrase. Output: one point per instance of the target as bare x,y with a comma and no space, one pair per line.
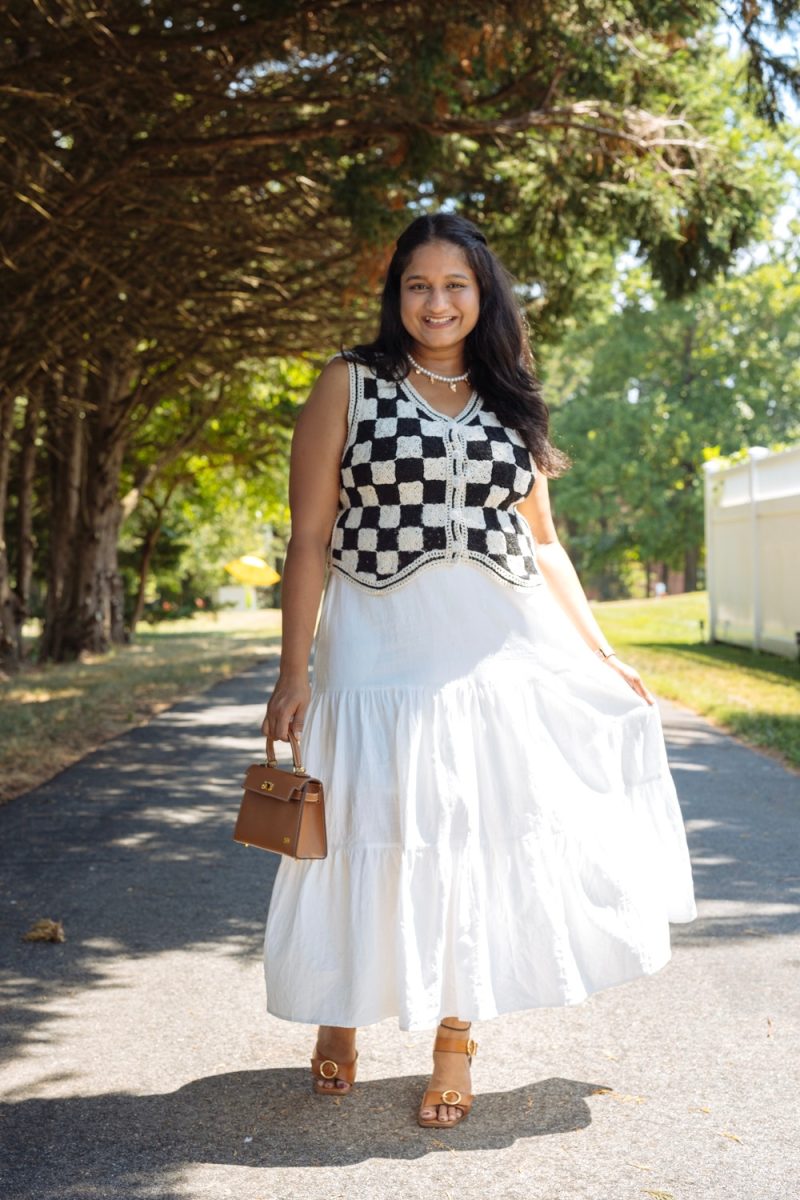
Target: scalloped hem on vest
437,558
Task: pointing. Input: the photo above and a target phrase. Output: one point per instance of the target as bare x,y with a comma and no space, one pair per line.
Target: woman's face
439,296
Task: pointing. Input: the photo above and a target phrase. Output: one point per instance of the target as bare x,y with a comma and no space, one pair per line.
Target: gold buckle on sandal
471,1047
451,1092
328,1074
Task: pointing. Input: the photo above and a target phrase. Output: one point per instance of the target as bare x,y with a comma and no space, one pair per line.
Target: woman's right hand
287,707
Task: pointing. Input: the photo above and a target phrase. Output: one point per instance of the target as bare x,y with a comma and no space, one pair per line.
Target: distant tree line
647,391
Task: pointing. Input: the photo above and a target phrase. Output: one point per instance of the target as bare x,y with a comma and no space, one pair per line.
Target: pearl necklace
450,380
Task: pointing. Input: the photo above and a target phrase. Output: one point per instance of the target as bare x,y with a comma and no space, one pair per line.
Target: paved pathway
141,1065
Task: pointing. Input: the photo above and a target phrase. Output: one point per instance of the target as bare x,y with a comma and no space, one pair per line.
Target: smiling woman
503,828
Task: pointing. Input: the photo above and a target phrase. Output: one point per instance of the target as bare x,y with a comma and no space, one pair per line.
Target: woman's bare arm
314,480
562,579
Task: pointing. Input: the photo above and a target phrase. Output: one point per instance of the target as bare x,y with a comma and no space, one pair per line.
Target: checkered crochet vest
418,487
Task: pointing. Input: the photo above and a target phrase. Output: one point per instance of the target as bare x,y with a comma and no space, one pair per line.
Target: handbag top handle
297,761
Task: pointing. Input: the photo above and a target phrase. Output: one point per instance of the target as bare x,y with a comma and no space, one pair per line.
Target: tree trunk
87,615
9,649
25,541
90,617
148,546
691,560
66,443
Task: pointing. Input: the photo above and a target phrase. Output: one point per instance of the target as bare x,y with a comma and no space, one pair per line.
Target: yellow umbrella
252,570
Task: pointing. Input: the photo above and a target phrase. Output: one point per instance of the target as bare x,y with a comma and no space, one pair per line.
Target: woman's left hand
631,677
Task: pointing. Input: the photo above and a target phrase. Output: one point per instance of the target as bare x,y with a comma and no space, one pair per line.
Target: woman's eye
421,287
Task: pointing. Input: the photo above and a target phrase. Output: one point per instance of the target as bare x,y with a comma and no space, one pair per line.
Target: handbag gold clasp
267,785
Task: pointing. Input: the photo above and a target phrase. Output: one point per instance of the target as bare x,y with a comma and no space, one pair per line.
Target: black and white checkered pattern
420,487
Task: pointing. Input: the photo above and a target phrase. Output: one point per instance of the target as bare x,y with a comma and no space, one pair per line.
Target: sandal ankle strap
455,1045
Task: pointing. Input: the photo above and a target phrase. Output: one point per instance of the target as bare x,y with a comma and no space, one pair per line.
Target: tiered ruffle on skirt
503,828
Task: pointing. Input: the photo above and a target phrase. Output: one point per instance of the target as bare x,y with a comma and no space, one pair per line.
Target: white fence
752,516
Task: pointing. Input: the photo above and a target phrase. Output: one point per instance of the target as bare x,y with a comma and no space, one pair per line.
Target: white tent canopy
752,516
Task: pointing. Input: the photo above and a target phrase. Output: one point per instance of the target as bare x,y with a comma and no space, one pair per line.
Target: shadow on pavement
132,850
740,808
258,1119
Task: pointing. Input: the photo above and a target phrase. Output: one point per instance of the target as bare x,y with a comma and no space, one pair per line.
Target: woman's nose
438,301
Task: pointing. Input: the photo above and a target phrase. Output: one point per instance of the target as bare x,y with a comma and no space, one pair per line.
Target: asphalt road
139,1062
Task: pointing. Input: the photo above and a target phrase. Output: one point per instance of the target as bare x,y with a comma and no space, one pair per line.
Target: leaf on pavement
45,931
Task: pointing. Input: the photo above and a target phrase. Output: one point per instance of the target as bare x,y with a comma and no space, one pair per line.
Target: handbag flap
281,785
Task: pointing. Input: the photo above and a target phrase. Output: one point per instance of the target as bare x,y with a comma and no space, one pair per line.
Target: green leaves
643,396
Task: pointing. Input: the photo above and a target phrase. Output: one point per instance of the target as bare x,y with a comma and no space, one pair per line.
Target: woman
503,828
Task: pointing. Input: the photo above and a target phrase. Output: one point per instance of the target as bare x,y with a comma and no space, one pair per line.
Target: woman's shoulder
367,365
340,372
331,386
336,364
348,357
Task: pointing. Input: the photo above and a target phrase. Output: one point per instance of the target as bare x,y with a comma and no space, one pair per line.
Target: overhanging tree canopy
183,185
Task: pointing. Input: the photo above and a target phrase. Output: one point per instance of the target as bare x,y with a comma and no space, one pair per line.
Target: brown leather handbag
282,810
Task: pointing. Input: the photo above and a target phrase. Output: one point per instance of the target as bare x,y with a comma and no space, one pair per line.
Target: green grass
754,696
50,716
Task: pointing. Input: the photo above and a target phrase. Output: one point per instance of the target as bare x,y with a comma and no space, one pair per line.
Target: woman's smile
439,322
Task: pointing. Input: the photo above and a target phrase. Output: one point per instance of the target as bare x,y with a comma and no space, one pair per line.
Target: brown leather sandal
450,1097
326,1068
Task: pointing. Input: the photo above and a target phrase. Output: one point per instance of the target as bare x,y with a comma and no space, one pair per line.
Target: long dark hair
497,353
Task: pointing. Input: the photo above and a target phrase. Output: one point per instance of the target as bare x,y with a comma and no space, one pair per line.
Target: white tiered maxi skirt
503,828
